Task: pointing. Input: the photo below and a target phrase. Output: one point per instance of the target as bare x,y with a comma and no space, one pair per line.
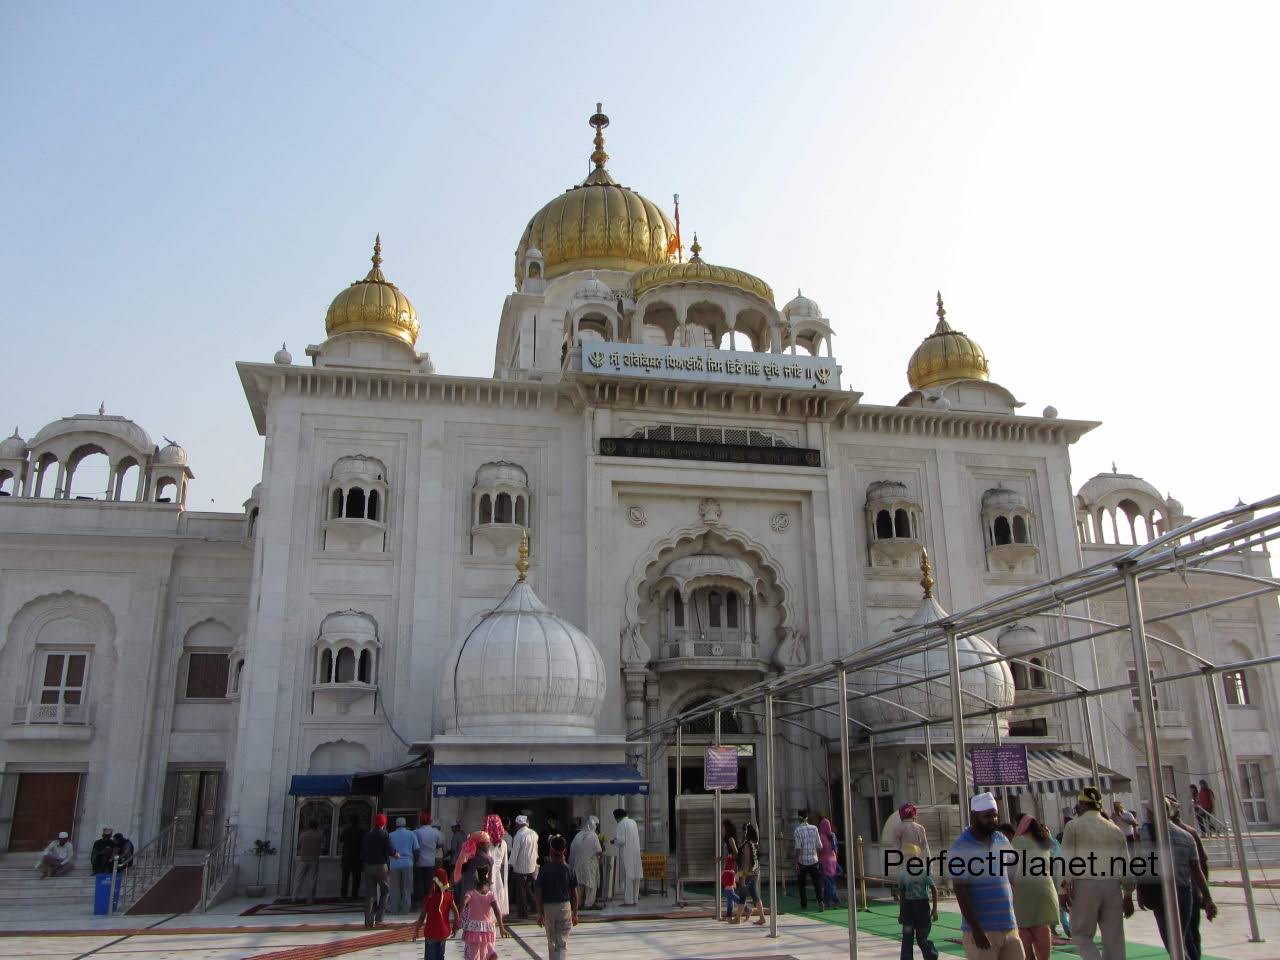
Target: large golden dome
598,225
694,270
946,355
373,305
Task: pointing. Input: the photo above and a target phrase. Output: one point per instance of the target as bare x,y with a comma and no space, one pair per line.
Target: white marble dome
13,448
593,289
522,672
1002,498
498,473
171,454
801,307
990,685
1099,487
85,427
349,625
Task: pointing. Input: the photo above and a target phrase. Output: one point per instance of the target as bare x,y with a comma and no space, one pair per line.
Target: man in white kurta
627,842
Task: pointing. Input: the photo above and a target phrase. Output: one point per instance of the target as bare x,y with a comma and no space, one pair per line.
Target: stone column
657,772
634,682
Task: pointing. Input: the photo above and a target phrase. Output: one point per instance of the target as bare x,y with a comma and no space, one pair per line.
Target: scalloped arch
640,573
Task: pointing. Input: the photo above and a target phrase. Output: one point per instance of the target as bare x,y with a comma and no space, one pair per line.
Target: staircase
1262,849
21,885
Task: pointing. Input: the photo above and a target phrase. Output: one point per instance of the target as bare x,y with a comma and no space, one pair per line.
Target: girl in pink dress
478,930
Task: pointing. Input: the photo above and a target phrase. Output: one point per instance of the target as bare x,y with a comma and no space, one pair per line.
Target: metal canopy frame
1183,552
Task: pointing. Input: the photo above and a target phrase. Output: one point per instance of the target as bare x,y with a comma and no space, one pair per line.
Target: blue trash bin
102,893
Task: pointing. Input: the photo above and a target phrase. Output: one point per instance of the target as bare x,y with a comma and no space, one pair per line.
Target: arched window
335,510
1039,680
520,511
8,484
535,270
166,490
326,667
486,509
1020,530
677,609
345,666
731,611
729,724
502,508
1236,683
362,674
1000,531
714,602
901,523
355,503
884,525
373,505
1019,676
253,521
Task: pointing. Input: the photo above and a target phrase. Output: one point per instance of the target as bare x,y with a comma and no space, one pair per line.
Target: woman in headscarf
827,860
474,854
1035,897
584,857
498,852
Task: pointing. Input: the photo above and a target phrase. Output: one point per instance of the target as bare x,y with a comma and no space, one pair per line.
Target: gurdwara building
707,501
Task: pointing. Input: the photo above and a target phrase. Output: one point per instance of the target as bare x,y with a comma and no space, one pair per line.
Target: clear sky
1092,186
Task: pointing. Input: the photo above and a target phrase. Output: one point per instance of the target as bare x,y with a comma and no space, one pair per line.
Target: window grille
731,436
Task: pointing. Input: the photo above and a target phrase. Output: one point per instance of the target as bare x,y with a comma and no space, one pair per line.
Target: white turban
983,801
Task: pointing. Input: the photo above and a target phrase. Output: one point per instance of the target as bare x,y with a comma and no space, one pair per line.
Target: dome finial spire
375,272
522,564
926,576
943,326
599,174
695,249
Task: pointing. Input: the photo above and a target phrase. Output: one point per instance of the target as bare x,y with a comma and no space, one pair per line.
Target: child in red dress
440,916
478,931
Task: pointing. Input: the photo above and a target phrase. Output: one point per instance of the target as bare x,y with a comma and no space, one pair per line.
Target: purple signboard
720,768
999,766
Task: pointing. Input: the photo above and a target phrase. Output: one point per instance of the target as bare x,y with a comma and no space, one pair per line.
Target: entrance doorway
192,798
547,815
45,805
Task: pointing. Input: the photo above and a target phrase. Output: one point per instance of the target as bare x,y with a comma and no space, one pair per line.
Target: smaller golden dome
946,355
695,270
373,305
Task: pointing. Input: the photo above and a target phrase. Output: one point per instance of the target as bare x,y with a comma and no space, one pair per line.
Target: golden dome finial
942,326
522,564
926,576
599,120
695,250
375,272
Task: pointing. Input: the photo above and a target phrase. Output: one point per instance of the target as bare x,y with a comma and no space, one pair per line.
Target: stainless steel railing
219,866
150,862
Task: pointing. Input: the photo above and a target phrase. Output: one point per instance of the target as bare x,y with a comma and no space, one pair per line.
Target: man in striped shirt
983,892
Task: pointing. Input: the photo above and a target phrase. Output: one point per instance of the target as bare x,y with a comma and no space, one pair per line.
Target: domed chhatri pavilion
464,593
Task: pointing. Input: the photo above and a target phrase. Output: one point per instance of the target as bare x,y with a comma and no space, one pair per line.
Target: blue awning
536,780
335,785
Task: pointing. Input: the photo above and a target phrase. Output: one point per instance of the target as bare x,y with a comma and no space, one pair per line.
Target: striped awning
1050,771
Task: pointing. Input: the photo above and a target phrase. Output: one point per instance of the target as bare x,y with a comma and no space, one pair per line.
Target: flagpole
679,245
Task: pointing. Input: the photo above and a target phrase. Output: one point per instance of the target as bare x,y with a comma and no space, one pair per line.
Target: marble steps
1262,849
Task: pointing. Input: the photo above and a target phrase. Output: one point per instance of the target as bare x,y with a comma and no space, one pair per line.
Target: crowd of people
1011,914
469,884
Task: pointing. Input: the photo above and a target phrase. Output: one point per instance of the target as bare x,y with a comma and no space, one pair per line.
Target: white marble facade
388,518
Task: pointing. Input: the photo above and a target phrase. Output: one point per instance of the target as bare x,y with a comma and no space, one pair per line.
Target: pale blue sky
1092,186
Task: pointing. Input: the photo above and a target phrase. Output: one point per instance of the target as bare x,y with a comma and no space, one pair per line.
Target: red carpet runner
339,948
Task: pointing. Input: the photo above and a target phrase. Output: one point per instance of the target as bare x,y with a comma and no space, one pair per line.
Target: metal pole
875,791
1147,712
1087,721
1227,756
679,794
770,818
957,723
850,869
112,903
928,752
715,835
